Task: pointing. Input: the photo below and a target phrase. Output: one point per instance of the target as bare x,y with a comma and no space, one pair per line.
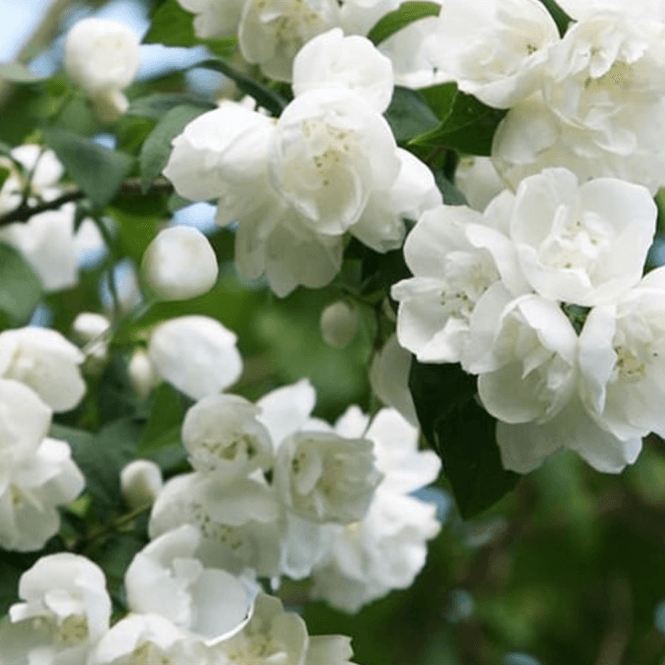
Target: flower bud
141,373
88,330
339,322
180,263
140,483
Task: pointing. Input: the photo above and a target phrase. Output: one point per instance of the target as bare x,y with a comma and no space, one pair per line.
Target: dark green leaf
165,420
5,149
20,287
440,98
560,17
101,457
157,147
155,106
18,73
409,115
4,174
469,127
98,171
451,195
463,433
408,12
264,97
171,25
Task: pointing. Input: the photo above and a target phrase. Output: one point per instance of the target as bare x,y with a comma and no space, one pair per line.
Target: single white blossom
197,354
140,483
214,18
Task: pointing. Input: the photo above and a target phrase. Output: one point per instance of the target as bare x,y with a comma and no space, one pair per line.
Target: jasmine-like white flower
197,354
224,437
65,611
46,362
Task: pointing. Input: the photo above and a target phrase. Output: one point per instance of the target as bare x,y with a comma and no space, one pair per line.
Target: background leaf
98,171
408,12
20,287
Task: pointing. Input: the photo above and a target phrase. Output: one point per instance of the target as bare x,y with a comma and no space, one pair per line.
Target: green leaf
165,421
451,195
18,73
4,174
409,115
440,98
469,127
20,287
101,457
157,147
268,99
155,106
171,25
5,149
408,12
98,171
463,434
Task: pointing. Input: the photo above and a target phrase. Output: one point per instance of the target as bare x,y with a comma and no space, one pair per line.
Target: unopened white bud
180,263
89,330
102,57
339,322
141,373
140,483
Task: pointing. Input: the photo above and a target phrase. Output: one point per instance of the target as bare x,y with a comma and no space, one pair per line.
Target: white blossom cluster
271,32
327,166
47,240
181,613
39,374
337,507
542,297
591,101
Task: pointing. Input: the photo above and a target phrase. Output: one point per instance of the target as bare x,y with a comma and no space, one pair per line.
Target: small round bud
88,330
140,483
180,263
339,322
141,373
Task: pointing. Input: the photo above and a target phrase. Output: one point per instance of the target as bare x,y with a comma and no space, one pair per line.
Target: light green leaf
408,12
157,105
157,147
165,421
20,287
98,171
171,25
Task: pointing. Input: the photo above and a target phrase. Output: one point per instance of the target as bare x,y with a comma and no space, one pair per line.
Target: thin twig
131,186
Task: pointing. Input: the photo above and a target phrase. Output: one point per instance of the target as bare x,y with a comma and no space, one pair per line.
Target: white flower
328,650
241,522
224,437
384,551
339,323
91,330
581,244
352,62
415,53
450,275
197,354
359,16
622,355
524,446
324,477
102,57
495,50
331,151
582,9
142,374
478,180
525,351
215,18
147,638
46,362
47,242
180,263
272,31
165,578
66,610
140,483
271,636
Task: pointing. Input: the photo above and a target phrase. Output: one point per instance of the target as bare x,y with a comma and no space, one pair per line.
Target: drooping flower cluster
542,297
47,240
180,612
329,165
337,507
39,372
591,101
